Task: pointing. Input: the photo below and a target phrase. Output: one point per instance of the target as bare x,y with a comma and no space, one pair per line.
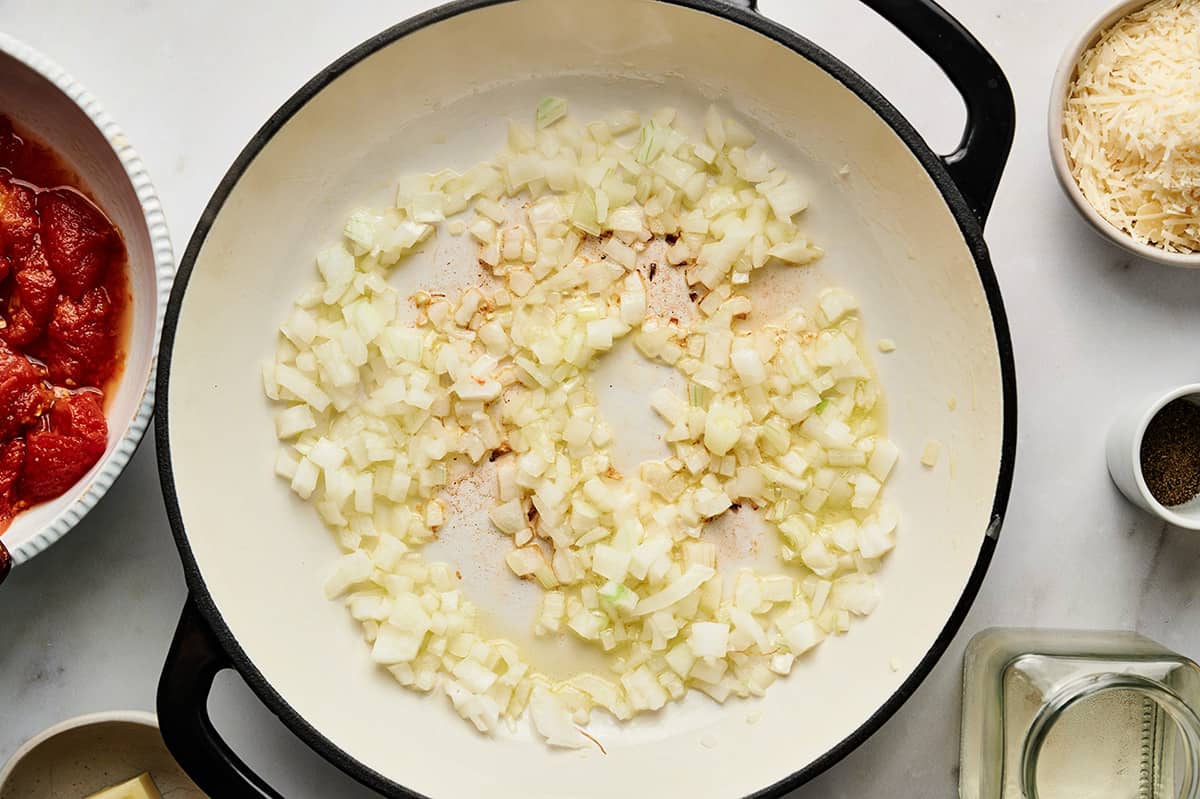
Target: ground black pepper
1171,453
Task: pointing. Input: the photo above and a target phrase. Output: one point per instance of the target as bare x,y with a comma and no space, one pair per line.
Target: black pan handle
5,562
978,162
195,659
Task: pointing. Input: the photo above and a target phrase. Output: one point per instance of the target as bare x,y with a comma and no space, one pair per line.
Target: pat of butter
138,788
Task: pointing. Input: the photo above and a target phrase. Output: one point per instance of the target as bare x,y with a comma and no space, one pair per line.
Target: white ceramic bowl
41,97
1124,451
87,754
1058,97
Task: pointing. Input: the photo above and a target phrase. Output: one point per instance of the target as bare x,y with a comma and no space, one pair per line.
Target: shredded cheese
1131,125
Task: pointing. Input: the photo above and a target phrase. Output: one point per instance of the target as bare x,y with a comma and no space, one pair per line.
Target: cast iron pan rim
968,224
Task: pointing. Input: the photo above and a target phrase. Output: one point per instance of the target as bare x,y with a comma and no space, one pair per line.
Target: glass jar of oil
1063,714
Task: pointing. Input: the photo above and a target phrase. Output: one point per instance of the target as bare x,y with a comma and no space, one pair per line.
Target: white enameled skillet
901,225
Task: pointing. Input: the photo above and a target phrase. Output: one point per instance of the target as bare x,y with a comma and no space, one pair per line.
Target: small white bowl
1058,155
39,96
90,753
1124,451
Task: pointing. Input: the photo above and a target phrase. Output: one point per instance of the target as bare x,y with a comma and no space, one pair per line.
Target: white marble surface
85,626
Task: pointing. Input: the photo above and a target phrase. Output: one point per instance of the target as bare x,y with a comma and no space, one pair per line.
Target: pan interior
440,98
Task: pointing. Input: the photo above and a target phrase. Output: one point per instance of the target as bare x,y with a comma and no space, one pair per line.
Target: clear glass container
1064,714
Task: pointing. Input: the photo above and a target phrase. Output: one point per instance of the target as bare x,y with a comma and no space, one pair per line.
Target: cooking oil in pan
1051,714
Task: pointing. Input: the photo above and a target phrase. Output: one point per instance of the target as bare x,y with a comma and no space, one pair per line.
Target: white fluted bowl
42,98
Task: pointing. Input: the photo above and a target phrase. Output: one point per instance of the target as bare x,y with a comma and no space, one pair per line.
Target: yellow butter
138,788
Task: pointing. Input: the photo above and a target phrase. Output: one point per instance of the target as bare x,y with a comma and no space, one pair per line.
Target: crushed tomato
64,301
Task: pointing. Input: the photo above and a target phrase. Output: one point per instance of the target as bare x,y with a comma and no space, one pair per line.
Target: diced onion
381,420
550,110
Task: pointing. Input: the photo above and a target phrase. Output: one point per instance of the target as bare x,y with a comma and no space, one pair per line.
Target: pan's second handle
195,659
979,161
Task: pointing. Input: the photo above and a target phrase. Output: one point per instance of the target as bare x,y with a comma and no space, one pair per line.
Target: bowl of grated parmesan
1125,128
